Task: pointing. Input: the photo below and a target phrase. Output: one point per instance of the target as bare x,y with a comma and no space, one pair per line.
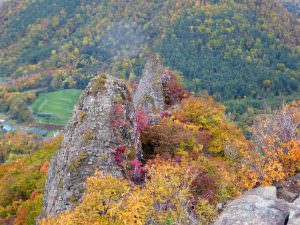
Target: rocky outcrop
102,121
149,94
294,217
103,125
271,205
259,206
289,190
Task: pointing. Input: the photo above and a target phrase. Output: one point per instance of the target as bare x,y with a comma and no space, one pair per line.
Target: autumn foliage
194,162
275,149
22,183
174,91
197,125
194,159
16,143
142,120
167,197
181,185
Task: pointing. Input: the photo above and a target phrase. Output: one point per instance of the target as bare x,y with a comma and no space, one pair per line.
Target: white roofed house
6,128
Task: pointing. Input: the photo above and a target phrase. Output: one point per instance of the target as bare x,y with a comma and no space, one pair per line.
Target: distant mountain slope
230,48
235,50
293,6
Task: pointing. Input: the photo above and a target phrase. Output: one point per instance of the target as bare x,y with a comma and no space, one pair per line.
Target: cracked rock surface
272,205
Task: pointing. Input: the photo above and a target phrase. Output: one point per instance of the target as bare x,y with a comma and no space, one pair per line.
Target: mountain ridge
221,37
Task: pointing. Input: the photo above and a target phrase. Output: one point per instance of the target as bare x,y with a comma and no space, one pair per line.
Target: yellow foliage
100,202
166,197
275,153
205,114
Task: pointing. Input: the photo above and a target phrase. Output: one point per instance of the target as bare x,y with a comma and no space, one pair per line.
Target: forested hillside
292,6
230,48
235,50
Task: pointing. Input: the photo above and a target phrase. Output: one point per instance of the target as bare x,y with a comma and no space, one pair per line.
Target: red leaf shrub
119,155
204,186
174,91
139,171
142,120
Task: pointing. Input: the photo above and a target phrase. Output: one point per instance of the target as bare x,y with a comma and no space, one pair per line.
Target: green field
55,107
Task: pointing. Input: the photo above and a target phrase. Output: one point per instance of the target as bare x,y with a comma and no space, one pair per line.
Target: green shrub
77,161
87,137
82,116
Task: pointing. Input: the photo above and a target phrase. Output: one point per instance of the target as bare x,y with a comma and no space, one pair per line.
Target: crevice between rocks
286,219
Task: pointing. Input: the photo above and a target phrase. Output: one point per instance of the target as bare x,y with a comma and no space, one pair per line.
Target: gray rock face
261,206
149,94
90,140
289,190
294,218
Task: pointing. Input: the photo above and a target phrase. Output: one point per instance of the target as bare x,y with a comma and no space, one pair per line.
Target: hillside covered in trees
192,161
233,49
